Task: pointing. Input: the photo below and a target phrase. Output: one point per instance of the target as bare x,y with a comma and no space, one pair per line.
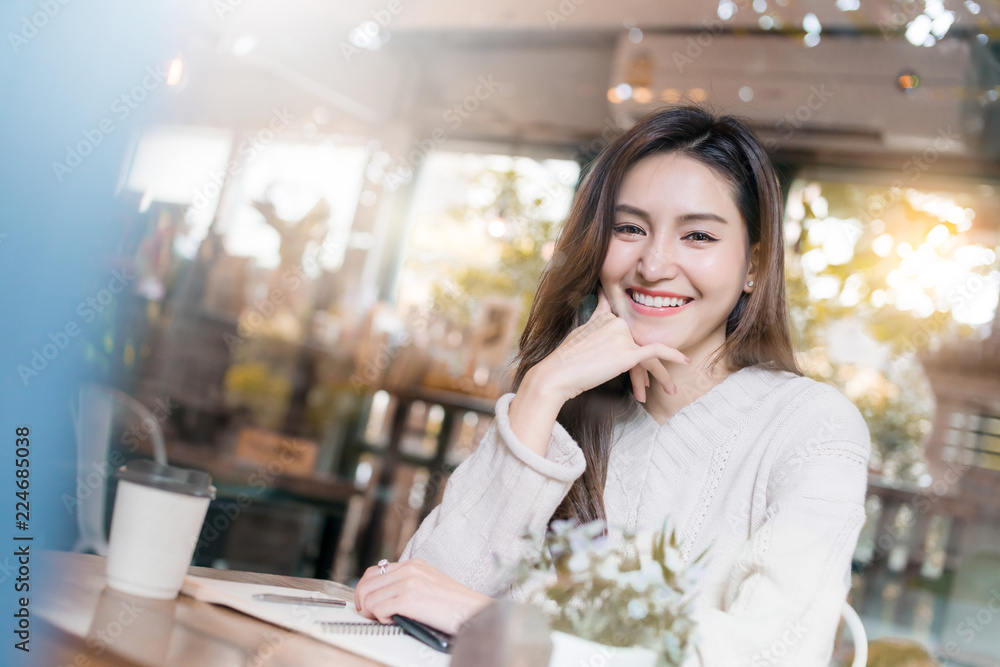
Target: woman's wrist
540,385
533,411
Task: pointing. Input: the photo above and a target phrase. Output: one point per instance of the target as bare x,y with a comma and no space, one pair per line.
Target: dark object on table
503,634
437,640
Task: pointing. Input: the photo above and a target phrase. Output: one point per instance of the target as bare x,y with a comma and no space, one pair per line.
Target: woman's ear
751,280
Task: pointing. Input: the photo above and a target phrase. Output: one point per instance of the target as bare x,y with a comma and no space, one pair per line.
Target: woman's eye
628,229
700,237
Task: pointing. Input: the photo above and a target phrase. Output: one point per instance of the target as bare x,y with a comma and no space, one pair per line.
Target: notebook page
394,650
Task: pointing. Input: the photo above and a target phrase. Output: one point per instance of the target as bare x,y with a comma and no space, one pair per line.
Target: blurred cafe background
330,222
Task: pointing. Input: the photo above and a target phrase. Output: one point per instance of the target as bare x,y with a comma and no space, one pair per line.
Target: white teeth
659,301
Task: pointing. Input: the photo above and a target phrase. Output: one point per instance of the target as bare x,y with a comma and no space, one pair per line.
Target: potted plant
611,601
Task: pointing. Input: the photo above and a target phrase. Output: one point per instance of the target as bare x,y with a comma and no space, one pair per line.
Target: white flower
593,529
578,543
672,559
653,572
601,546
560,526
637,579
578,562
694,572
607,569
637,609
672,646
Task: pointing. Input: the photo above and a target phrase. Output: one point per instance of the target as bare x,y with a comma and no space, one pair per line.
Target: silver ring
381,566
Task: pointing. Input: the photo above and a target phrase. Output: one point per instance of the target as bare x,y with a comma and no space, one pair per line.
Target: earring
749,283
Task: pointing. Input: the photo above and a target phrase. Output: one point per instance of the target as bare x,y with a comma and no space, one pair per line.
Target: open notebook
330,625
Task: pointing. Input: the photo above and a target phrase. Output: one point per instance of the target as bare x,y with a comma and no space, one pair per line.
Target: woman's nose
659,261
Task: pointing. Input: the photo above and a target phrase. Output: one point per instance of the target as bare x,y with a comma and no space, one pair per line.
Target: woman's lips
663,311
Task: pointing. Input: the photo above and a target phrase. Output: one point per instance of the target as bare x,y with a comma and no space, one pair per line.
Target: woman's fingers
418,590
661,351
374,579
392,599
639,383
654,367
603,305
649,360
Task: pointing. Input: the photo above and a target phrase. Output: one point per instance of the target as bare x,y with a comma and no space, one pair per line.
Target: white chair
92,420
858,635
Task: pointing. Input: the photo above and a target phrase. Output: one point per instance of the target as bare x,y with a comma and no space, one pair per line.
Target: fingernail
674,388
687,359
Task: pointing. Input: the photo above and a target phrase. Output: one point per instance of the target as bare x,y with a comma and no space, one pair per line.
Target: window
973,439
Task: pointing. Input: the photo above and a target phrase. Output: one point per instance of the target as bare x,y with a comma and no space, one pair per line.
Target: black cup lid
168,478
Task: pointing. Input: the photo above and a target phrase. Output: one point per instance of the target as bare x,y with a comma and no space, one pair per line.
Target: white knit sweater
767,470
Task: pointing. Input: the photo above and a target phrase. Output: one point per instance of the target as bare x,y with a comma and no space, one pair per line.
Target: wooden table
321,492
82,623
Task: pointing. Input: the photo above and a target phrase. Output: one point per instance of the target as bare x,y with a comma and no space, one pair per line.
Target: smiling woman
675,399
682,242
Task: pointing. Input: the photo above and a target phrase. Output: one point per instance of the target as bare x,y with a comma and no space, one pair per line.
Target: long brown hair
757,327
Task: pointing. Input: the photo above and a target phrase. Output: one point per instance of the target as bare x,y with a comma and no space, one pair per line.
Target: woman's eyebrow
638,212
687,217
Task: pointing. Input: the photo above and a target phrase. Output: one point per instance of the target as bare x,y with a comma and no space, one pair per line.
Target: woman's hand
415,589
602,349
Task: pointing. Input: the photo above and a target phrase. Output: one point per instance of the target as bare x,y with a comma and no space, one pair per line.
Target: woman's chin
643,338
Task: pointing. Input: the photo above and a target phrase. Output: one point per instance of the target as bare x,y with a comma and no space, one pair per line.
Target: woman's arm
793,575
503,489
454,564
533,411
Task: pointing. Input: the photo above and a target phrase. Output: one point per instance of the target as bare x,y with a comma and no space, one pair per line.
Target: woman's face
678,235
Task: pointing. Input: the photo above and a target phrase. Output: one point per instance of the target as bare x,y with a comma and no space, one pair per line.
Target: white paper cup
155,526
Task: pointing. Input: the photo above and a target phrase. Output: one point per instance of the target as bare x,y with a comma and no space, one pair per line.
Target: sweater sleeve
793,576
495,495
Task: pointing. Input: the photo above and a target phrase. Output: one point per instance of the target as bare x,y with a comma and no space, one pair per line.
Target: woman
678,399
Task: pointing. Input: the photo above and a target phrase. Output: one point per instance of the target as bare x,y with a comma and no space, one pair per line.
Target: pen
436,639
295,599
